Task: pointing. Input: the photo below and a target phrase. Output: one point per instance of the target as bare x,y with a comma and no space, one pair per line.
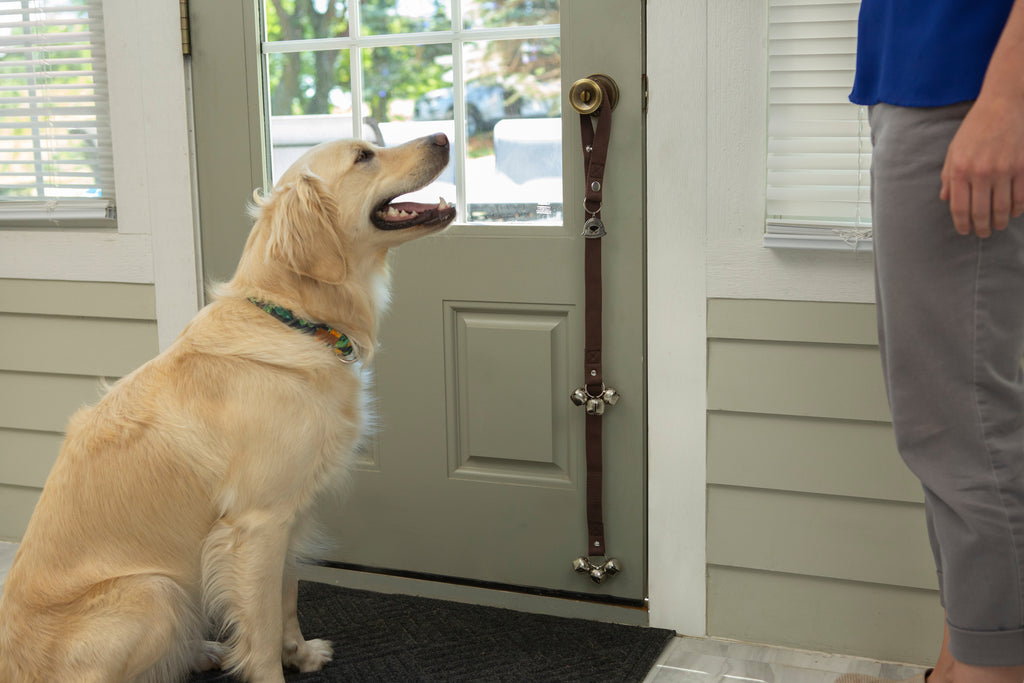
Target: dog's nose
440,139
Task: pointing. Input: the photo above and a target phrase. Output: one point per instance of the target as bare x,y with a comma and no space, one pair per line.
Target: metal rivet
595,186
597,544
593,373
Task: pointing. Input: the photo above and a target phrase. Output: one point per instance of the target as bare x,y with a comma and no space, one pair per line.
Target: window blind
819,144
55,152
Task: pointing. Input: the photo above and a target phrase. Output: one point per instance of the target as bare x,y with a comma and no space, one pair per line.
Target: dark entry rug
379,638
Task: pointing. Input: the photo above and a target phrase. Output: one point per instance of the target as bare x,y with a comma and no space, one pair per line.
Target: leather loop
595,154
595,482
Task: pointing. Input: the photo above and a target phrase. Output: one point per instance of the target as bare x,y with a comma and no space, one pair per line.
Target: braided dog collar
344,348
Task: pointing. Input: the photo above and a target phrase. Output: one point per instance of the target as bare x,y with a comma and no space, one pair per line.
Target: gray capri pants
951,331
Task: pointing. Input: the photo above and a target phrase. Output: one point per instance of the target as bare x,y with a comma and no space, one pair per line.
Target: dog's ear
303,220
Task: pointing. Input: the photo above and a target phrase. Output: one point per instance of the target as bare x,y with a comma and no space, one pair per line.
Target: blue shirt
925,53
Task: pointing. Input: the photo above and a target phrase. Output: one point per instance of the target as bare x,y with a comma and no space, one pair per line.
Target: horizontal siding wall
816,530
59,341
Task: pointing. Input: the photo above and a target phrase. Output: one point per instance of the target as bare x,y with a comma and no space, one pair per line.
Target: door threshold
523,598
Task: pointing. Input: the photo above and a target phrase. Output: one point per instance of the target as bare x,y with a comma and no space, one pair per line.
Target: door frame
677,212
676,320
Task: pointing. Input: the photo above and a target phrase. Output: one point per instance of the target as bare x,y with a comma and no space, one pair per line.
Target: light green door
478,470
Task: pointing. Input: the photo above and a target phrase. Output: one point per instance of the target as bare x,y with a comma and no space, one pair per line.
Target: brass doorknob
586,96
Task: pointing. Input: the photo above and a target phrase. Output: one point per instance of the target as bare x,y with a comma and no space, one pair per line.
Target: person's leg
951,331
948,670
943,671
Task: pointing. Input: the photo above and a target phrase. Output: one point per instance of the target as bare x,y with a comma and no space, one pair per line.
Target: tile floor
697,660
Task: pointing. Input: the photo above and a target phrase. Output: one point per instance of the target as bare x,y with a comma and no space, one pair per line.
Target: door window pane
305,19
390,17
395,80
501,13
513,130
309,82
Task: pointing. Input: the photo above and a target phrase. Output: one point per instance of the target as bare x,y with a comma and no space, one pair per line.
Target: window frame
154,241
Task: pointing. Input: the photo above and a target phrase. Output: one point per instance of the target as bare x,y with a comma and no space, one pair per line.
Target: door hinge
644,93
186,39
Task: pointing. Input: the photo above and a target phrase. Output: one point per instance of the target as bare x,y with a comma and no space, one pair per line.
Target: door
478,469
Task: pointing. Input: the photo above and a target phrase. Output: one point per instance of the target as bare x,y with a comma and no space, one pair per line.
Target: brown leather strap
595,152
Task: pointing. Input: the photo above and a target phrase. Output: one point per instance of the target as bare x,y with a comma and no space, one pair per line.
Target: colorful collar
344,348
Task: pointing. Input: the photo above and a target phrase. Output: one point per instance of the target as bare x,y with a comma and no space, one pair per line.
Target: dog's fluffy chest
303,438
273,418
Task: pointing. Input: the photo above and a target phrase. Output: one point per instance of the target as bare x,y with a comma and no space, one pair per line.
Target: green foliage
301,82
400,73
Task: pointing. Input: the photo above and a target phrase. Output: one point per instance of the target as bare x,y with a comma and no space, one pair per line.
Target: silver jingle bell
610,396
579,397
594,228
595,406
597,572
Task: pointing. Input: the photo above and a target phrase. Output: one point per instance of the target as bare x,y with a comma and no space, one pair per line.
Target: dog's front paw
309,655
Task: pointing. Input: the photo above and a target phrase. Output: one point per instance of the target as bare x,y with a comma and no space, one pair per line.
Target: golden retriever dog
178,502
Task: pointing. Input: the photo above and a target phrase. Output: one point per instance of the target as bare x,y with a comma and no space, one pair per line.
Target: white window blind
55,152
819,145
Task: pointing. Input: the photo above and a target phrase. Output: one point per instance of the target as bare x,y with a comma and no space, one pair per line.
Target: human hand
983,177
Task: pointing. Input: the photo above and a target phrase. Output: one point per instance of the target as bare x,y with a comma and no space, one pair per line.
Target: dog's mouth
391,215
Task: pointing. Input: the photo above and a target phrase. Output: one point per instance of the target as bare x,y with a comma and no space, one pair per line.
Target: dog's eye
363,155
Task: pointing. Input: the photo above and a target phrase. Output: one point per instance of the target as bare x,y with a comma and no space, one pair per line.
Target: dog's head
337,203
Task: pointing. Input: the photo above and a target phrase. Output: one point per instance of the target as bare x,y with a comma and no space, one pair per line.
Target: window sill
817,237
818,243
59,213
